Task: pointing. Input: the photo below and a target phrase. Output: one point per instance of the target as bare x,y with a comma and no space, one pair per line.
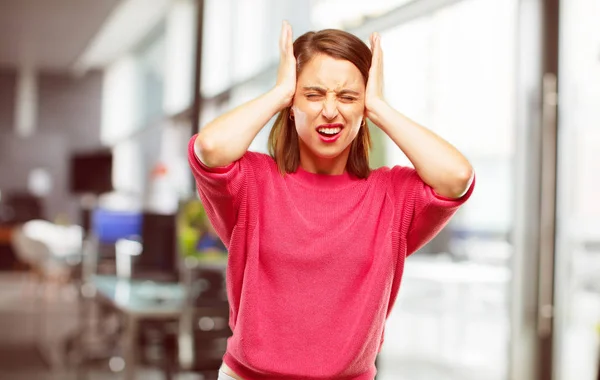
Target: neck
319,165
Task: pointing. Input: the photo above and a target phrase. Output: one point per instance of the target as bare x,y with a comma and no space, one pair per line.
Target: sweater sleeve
221,190
424,212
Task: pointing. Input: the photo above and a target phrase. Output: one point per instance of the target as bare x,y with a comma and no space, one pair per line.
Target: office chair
198,341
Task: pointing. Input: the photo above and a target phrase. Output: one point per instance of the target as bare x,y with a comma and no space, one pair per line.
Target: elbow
204,150
462,182
211,152
457,184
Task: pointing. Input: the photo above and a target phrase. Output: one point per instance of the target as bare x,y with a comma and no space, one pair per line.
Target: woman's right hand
286,74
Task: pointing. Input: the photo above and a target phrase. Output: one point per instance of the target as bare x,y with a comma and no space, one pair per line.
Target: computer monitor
91,172
159,257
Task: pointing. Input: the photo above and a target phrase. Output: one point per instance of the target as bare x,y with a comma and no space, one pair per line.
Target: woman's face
328,109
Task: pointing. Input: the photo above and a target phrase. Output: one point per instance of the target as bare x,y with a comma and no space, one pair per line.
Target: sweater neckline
324,181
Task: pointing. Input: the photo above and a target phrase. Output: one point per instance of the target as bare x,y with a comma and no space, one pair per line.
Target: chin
327,156
329,152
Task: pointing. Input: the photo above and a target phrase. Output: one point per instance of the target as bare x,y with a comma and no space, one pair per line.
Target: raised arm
226,139
437,162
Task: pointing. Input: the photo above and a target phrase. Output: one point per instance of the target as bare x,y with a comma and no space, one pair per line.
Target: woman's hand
374,89
286,74
227,138
447,171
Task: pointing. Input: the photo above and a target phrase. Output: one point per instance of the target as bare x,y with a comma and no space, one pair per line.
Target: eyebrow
321,89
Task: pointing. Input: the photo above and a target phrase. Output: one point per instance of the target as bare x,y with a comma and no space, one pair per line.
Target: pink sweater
315,261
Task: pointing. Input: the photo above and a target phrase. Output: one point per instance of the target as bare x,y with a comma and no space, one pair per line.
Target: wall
68,120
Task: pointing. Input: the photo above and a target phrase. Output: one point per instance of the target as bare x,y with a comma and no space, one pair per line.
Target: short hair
283,139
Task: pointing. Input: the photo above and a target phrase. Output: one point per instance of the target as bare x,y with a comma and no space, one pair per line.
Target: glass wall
577,280
147,92
342,14
453,68
453,71
241,53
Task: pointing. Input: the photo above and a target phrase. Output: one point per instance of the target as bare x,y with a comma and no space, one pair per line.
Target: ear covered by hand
374,89
286,73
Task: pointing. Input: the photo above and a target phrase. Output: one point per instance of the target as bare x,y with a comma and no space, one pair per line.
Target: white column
26,105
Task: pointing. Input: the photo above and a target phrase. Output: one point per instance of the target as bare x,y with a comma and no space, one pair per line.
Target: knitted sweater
315,261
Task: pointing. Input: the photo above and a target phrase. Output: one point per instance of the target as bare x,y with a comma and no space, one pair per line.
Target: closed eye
313,96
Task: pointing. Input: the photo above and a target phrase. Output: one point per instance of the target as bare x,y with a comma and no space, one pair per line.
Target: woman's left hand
374,89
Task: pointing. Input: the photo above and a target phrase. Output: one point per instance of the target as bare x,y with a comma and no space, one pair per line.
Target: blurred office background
108,269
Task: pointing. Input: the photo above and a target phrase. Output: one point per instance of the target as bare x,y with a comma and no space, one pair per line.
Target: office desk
142,298
139,300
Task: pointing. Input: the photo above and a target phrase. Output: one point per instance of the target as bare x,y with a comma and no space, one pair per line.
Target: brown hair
283,139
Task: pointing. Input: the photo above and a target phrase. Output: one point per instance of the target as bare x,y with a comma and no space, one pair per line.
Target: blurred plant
196,236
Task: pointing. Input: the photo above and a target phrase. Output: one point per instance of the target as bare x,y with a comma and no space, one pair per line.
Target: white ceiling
49,34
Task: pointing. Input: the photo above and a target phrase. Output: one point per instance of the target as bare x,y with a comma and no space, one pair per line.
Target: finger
290,40
282,37
377,50
373,52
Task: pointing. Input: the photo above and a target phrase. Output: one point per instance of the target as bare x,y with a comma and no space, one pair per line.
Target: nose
330,110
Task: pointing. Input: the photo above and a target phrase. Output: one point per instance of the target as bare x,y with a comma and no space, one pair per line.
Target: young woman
317,240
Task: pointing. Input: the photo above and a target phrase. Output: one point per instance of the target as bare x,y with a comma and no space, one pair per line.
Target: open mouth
329,130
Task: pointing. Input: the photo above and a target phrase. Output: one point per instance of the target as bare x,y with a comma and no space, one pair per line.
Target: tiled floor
429,336
20,329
